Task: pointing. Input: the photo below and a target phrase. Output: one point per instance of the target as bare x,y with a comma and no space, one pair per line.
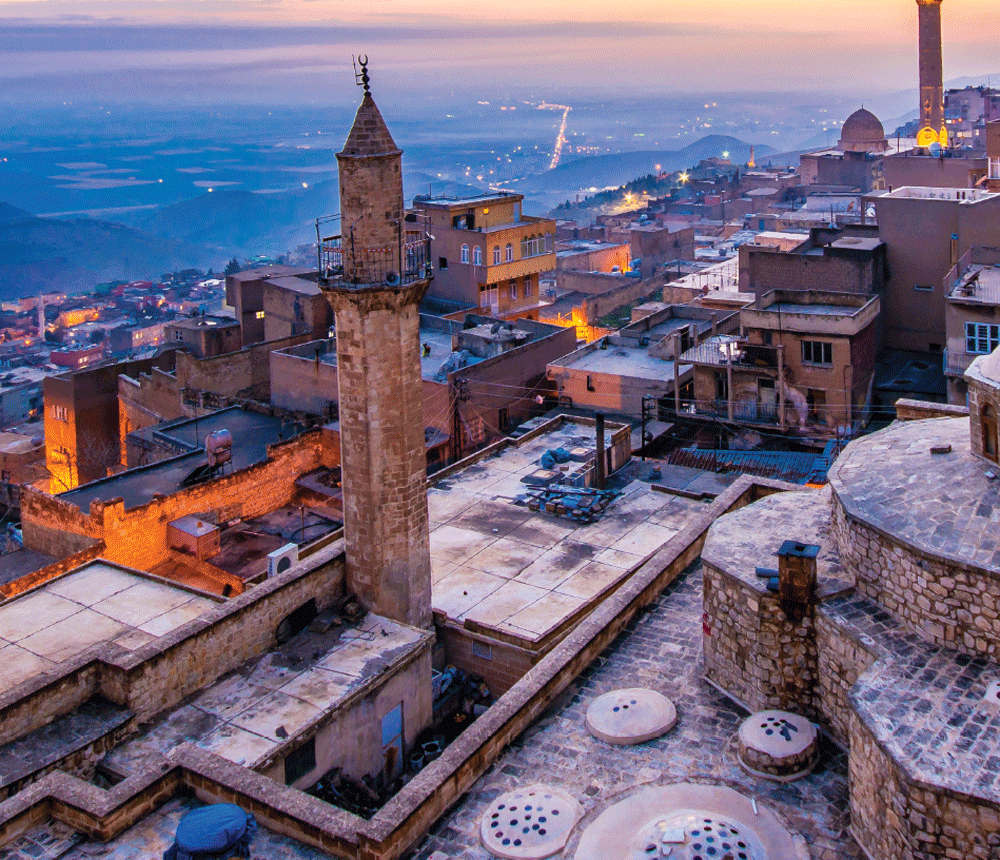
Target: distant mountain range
599,171
54,254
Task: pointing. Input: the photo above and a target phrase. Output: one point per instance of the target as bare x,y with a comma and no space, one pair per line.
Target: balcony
345,264
956,363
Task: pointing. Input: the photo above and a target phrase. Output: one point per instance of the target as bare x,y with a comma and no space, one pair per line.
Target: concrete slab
617,558
630,716
277,711
644,539
133,639
462,589
227,698
440,568
542,530
318,686
505,557
591,580
491,518
20,665
237,745
100,582
142,602
545,614
551,568
73,635
450,543
27,615
510,598
178,616
271,672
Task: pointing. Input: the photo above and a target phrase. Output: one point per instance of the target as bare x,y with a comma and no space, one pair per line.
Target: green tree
232,267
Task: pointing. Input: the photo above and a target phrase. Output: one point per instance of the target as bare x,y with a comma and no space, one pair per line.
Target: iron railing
345,262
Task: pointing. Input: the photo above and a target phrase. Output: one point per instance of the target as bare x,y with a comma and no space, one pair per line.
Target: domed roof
862,132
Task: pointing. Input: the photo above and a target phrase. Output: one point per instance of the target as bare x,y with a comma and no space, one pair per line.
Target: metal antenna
361,78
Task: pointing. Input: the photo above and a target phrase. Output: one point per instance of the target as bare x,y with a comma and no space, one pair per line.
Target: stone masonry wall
954,605
894,817
841,661
752,651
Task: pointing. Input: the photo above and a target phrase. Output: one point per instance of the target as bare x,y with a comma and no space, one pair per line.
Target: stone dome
862,132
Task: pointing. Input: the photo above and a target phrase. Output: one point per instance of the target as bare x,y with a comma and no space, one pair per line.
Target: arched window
988,419
477,256
510,252
465,253
496,255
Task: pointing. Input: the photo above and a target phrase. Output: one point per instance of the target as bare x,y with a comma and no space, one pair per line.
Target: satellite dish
934,149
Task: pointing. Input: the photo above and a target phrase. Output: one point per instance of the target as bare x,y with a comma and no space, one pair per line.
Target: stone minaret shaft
375,303
932,128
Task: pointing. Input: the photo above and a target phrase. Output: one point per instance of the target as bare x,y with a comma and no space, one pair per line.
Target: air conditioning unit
281,559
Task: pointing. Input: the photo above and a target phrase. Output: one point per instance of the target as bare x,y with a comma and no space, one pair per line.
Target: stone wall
949,604
54,527
841,660
916,410
137,537
893,816
753,651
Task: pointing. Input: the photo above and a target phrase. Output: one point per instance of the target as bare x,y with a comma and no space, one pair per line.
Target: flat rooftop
297,285
979,283
817,310
252,433
624,358
960,195
499,566
247,715
94,605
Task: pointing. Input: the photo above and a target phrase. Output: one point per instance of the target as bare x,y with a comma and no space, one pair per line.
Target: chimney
797,579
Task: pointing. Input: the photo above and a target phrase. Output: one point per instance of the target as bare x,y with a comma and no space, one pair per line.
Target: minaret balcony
345,262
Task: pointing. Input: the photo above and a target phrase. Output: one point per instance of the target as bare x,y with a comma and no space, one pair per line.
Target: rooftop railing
345,262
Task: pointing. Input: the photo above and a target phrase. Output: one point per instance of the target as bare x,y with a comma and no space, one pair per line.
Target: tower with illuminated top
932,129
374,274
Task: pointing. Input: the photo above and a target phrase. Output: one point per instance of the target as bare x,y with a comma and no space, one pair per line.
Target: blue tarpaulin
219,830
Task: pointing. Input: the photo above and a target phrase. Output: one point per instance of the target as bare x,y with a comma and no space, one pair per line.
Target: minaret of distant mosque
932,129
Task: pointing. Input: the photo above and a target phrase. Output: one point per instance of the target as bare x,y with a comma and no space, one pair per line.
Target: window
443,261
477,256
995,168
60,413
817,352
988,420
513,290
509,254
178,334
527,287
260,315
533,247
300,762
465,253
496,255
924,288
981,338
816,401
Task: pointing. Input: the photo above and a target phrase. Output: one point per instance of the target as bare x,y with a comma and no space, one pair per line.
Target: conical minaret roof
369,135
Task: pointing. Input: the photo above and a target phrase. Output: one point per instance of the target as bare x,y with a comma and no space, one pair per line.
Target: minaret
375,287
932,128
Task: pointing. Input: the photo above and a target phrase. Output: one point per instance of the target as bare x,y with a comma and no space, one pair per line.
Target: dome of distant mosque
863,132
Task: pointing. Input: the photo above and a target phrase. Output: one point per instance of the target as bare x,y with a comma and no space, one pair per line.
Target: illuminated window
60,413
509,252
817,352
260,315
496,255
477,256
465,253
981,338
